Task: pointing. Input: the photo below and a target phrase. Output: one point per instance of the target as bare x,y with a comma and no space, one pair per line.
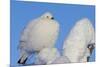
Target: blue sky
65,14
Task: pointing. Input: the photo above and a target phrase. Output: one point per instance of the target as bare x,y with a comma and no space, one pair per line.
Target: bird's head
47,15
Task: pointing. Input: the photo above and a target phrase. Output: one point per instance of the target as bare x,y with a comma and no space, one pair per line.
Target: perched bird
40,33
80,41
47,56
61,60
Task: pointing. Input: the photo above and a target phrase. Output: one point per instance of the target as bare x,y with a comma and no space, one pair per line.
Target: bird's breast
43,35
44,29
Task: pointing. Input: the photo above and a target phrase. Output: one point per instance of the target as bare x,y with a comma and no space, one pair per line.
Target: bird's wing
26,30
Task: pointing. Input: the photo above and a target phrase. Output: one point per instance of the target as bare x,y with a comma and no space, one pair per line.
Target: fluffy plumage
80,36
47,56
61,60
40,33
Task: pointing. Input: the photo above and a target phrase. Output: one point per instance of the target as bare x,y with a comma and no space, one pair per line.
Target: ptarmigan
79,41
40,33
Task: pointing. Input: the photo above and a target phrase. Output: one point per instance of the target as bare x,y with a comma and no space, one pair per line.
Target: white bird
61,60
47,56
80,39
40,33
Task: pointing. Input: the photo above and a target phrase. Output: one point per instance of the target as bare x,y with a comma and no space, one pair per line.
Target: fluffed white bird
47,56
80,37
61,60
40,33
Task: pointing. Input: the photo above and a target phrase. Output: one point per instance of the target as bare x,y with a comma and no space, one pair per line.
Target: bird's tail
23,57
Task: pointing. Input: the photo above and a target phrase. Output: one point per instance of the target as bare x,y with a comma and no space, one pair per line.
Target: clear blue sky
65,14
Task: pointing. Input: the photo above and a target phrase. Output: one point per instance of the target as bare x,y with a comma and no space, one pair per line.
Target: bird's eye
47,16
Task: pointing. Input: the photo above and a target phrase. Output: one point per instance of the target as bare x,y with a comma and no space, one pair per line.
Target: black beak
52,18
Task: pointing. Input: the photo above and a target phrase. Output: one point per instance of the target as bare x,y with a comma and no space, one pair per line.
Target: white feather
47,56
75,45
61,60
39,33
